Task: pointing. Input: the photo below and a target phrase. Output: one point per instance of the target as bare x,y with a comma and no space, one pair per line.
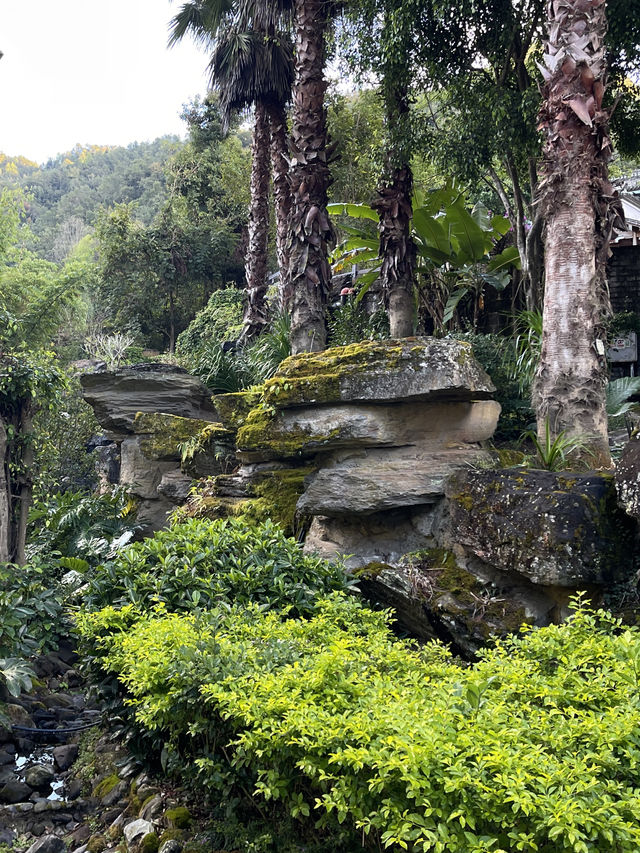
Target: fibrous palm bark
281,194
311,232
255,314
580,208
397,250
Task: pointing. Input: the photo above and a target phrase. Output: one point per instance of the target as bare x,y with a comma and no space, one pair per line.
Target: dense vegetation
233,661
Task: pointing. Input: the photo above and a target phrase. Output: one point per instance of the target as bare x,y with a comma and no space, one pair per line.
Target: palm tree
311,232
251,64
580,208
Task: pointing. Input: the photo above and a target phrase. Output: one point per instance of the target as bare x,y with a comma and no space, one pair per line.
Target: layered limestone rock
153,413
116,396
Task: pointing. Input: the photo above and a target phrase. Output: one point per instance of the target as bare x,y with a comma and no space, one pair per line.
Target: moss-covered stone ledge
160,433
380,371
556,529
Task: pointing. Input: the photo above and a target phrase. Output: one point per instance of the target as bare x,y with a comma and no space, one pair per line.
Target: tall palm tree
581,210
311,232
251,64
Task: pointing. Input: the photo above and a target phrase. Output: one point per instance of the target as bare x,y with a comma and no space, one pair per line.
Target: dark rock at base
73,790
628,478
39,777
5,757
65,755
48,844
81,834
557,529
14,791
170,846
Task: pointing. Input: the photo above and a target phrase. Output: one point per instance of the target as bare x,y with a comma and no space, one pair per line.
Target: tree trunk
569,392
397,250
5,498
281,195
255,312
25,486
310,229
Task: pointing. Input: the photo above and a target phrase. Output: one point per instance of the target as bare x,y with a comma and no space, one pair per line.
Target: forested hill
66,192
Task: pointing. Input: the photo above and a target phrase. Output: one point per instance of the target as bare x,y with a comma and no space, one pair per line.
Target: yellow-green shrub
534,748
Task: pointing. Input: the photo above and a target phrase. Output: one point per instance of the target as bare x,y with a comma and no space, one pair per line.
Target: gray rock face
14,791
141,474
175,486
561,530
432,425
117,395
48,844
377,480
170,846
628,478
136,830
39,777
65,755
382,372
152,809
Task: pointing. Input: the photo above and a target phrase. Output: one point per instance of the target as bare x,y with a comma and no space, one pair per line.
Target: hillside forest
369,170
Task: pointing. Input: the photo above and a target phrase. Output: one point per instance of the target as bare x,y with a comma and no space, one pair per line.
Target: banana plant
454,246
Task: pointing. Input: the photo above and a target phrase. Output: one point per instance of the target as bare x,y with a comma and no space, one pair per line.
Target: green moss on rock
106,785
150,843
234,408
163,433
178,818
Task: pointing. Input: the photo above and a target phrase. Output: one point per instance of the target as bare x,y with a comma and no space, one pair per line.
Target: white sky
91,72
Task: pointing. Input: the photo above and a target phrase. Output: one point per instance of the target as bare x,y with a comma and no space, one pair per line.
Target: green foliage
200,563
554,454
62,431
496,355
350,323
15,675
220,320
30,610
533,748
528,346
355,125
80,525
618,393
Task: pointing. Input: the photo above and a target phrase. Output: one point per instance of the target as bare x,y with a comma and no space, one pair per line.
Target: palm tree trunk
570,385
5,497
281,195
397,250
310,229
255,313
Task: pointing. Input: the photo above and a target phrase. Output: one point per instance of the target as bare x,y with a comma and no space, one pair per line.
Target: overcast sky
91,72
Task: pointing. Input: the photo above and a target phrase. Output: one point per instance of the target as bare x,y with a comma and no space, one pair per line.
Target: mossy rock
276,498
106,785
97,843
163,433
150,843
234,408
179,817
171,835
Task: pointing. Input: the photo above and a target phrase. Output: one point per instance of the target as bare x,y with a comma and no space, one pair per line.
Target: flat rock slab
557,529
381,371
308,430
117,395
377,480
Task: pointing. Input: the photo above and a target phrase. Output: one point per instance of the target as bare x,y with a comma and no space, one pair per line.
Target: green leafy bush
200,563
220,320
31,610
534,748
80,526
497,356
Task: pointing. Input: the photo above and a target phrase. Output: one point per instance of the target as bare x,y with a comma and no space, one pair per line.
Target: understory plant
554,453
200,563
533,748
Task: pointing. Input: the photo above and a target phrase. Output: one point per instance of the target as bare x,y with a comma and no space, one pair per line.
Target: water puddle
40,756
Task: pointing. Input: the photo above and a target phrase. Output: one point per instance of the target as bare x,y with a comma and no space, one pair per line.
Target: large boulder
556,529
371,481
117,395
628,478
381,372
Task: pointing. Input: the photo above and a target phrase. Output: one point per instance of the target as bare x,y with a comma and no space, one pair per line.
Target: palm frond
618,393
